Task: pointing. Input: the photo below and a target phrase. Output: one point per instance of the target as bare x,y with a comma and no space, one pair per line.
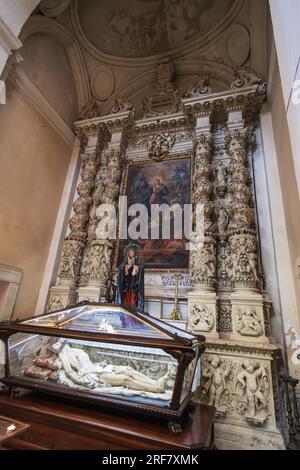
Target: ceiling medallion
102,83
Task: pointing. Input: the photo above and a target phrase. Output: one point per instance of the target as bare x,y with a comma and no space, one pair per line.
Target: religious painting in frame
167,182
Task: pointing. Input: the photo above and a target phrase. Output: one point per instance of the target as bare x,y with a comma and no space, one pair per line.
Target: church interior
158,103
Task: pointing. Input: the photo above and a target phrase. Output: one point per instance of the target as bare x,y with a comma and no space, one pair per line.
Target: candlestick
176,313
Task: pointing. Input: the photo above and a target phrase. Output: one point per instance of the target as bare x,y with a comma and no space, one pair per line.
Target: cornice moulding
40,104
247,100
229,347
113,122
223,95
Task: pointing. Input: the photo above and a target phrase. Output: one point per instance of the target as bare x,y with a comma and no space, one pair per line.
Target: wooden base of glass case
174,418
57,424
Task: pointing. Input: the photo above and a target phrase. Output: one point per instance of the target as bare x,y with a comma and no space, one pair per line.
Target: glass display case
108,354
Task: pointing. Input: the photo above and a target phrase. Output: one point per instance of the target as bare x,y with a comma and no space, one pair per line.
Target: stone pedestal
229,436
89,293
240,380
202,314
60,297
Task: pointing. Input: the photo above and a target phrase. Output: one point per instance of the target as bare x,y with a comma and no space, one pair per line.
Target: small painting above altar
159,186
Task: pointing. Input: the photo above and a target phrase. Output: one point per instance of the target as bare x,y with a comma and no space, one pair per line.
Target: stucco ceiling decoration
52,8
139,32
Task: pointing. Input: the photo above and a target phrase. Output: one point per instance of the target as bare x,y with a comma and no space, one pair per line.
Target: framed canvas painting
166,183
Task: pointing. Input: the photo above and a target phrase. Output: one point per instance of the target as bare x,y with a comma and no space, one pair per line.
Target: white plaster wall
16,12
271,225
13,14
285,18
46,64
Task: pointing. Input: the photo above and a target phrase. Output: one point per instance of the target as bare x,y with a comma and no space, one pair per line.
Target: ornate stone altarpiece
223,290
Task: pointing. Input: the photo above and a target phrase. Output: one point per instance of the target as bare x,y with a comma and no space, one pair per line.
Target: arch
42,24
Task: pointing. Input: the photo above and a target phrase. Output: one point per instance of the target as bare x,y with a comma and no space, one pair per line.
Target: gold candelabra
176,313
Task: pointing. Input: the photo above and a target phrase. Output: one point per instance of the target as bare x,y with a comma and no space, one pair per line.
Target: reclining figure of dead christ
73,367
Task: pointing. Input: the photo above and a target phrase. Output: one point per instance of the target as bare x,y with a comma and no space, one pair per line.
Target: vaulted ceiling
113,47
145,28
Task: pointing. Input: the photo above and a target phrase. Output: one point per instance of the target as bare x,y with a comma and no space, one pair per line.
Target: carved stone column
97,262
202,298
247,304
65,291
96,266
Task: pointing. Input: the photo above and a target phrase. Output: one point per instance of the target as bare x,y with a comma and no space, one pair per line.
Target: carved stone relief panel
202,313
238,385
248,317
202,318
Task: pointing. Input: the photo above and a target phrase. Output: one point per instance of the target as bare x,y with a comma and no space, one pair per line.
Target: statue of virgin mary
130,279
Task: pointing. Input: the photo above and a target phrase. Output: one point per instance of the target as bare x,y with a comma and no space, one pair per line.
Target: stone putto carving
201,318
248,323
254,382
236,388
214,382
